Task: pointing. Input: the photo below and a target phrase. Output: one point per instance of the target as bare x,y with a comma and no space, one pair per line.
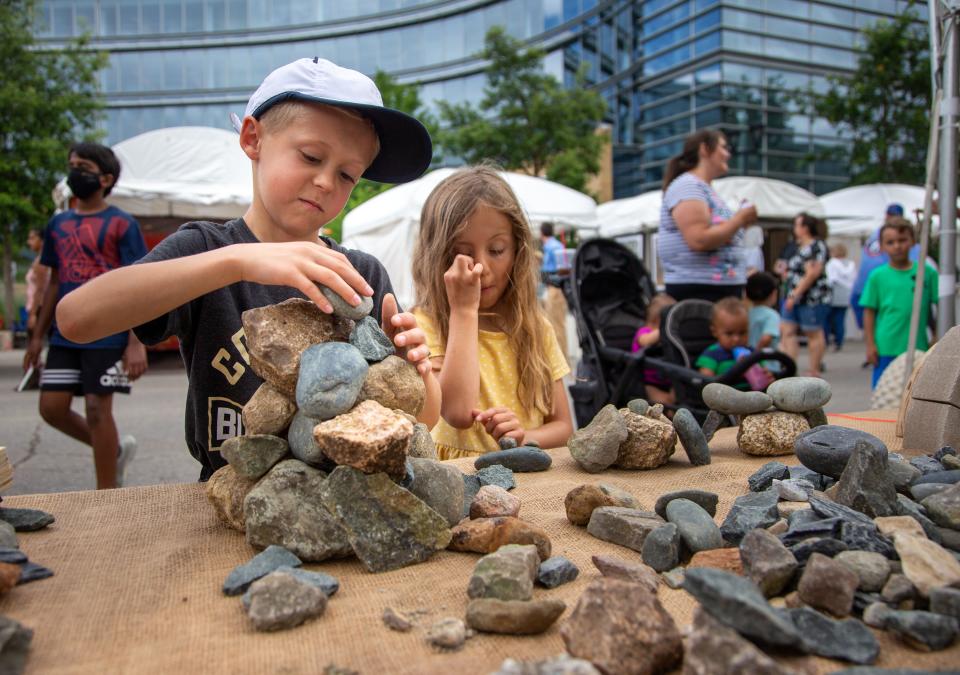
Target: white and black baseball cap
405,146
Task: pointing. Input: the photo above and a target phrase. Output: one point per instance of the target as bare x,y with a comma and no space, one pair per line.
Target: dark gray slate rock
947,477
596,446
799,394
623,526
763,477
440,485
26,520
926,464
661,548
738,604
829,509
696,527
902,474
803,516
370,340
12,555
524,459
766,561
710,648
729,401
705,500
31,571
498,475
827,448
691,437
344,309
285,509
556,571
946,601
387,526
330,379
507,442
827,527
252,456
749,512
848,640
326,583
819,481
807,547
859,537
471,486
260,565
279,601
15,645
933,631
921,491
865,484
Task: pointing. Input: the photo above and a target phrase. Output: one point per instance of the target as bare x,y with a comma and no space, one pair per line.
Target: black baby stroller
608,292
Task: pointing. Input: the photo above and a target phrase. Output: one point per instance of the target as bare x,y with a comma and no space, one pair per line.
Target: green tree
403,97
50,98
527,121
884,105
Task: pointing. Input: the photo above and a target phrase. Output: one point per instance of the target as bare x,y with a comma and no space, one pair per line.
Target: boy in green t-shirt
887,299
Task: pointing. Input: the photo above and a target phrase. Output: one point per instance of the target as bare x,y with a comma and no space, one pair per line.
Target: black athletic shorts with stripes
84,371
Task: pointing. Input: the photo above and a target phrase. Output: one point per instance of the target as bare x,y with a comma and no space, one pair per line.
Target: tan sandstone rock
268,411
770,433
650,442
226,490
394,383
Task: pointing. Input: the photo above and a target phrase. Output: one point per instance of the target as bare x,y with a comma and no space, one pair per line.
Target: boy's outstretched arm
133,295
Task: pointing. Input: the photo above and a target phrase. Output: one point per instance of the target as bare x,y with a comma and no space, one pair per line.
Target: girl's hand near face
462,280
500,422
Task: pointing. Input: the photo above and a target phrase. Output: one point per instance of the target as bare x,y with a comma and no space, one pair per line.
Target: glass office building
665,67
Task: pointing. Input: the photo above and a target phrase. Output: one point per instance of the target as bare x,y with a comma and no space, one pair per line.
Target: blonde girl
497,357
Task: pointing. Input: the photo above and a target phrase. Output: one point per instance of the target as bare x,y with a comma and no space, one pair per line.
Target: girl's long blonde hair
442,220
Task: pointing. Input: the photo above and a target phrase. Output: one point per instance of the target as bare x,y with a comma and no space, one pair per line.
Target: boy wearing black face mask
80,244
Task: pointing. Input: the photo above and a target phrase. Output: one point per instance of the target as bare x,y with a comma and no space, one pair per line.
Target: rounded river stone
691,437
826,449
330,379
696,527
342,308
729,401
799,394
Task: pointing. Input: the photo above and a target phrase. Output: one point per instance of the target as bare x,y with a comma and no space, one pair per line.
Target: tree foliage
884,106
403,97
50,99
527,121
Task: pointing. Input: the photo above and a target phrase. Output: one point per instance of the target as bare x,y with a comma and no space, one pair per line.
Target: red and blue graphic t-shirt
80,247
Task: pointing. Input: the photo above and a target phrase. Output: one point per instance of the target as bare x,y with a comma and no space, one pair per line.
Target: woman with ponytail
701,239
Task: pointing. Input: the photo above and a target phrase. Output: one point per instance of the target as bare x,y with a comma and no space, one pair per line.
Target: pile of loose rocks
639,436
769,421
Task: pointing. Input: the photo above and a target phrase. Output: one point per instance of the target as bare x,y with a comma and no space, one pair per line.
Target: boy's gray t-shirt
211,334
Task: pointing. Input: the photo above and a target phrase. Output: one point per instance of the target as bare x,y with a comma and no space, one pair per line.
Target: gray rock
252,456
448,634
819,481
331,376
931,631
948,538
16,645
326,583
871,568
285,509
556,571
712,422
638,406
387,526
802,517
524,459
714,649
749,512
926,464
691,437
12,555
259,566
370,340
279,601
696,527
946,601
729,401
395,620
623,526
897,589
497,474
31,571
865,484
471,486
793,489
848,640
440,486
507,442
766,561
944,507
827,527
302,444
421,443
948,477
342,308
595,447
875,614
828,509
816,417
738,604
705,500
902,474
823,545
827,448
763,478
860,537
661,548
8,535
506,574
26,520
799,394
921,491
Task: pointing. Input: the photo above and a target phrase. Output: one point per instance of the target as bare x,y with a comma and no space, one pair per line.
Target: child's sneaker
128,448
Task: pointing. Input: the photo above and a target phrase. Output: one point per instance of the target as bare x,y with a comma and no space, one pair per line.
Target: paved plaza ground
47,461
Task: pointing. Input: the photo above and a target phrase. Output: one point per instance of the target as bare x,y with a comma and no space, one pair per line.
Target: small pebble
447,634
394,620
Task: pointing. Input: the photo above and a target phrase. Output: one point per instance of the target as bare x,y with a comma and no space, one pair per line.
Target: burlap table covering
139,571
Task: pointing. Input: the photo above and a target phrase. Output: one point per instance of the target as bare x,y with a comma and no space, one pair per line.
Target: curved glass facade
665,67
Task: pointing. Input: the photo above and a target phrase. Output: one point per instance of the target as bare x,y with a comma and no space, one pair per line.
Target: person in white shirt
841,275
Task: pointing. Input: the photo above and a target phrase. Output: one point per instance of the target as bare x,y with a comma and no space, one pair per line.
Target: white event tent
180,172
387,225
859,210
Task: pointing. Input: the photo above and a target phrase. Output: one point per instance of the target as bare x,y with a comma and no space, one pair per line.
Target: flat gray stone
926,464
325,582
26,520
763,478
440,485
260,565
524,459
729,401
828,509
343,309
12,555
596,446
824,545
799,394
691,437
705,500
31,571
932,631
696,527
623,526
661,548
370,340
711,648
921,491
471,486
848,640
948,477
826,449
793,489
749,512
330,379
498,475
252,456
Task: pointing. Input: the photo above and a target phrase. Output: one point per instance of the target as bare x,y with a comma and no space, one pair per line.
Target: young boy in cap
311,130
